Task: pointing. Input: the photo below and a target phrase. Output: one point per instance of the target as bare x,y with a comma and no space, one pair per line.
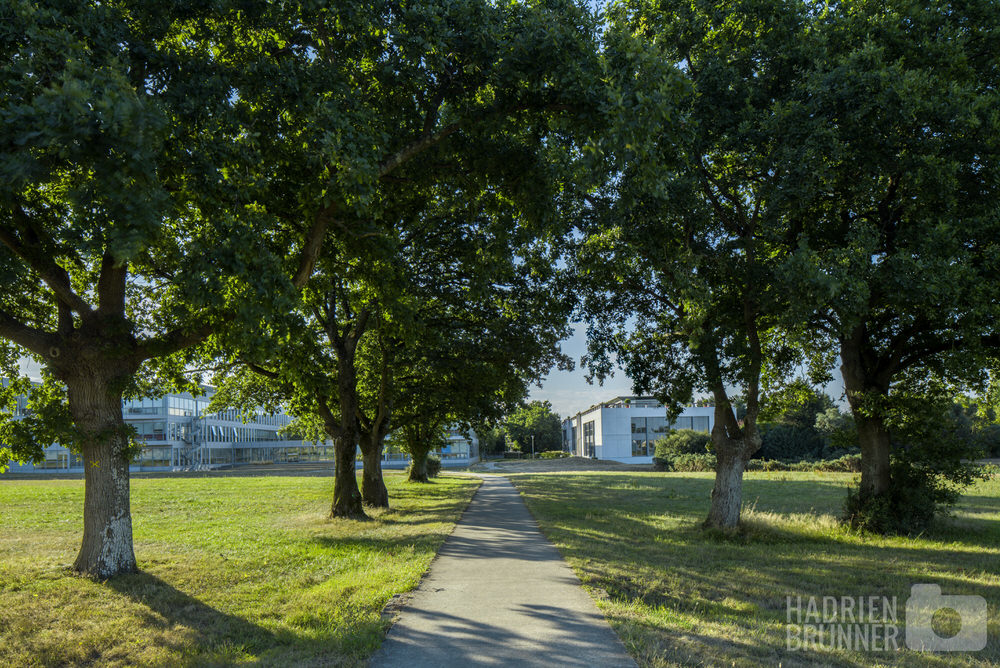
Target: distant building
461,448
624,429
177,432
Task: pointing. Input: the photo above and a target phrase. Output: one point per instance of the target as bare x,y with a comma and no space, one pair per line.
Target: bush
782,441
433,466
692,463
679,442
846,464
553,454
926,479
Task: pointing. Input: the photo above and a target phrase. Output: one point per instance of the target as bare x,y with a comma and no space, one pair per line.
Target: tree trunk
418,462
734,444
96,407
346,496
373,491
727,494
875,448
866,394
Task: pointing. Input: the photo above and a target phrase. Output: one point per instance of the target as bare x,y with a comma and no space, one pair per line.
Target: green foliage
492,440
681,257
933,459
553,454
679,442
688,463
536,419
787,441
843,464
839,429
433,466
797,404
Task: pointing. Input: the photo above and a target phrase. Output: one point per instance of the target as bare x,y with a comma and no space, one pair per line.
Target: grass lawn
679,596
234,570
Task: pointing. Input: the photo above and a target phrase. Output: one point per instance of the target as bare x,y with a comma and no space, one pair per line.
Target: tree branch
50,272
172,341
37,341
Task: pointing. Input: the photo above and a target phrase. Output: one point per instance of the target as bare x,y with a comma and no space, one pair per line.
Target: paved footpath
499,594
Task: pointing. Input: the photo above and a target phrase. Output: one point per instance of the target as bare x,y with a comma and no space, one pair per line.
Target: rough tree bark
347,500
95,362
418,460
346,495
865,387
373,433
373,491
734,445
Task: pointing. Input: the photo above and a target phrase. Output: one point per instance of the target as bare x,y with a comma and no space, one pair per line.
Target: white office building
624,429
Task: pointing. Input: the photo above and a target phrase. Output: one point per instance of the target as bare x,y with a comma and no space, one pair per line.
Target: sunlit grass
678,595
234,570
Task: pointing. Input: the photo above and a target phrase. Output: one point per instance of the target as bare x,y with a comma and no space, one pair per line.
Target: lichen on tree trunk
734,444
727,494
96,407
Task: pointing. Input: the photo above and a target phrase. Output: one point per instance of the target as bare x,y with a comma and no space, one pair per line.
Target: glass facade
699,423
589,440
143,407
645,432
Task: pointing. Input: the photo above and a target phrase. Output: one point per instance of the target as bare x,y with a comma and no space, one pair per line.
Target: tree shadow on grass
644,547
211,631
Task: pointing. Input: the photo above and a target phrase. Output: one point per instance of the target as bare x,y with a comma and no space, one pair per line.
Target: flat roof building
177,432
624,429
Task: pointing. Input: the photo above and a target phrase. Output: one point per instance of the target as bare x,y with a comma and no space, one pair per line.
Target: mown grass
234,570
678,595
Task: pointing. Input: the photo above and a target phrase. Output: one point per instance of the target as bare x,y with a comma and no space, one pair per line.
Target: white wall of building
613,427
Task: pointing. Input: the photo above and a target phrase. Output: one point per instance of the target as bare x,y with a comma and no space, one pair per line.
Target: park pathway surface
499,594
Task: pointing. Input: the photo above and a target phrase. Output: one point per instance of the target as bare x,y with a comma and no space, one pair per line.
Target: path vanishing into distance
500,594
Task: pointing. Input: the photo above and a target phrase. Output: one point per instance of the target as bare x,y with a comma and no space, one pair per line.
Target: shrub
679,442
927,479
433,466
846,464
693,463
553,454
782,441
766,465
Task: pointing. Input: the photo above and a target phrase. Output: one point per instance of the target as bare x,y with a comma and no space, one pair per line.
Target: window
656,428
683,423
589,440
700,423
639,437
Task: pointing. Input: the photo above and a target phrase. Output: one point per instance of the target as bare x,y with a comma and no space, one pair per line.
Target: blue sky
569,392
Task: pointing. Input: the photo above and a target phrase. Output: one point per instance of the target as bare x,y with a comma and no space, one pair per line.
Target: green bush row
553,454
844,464
706,462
